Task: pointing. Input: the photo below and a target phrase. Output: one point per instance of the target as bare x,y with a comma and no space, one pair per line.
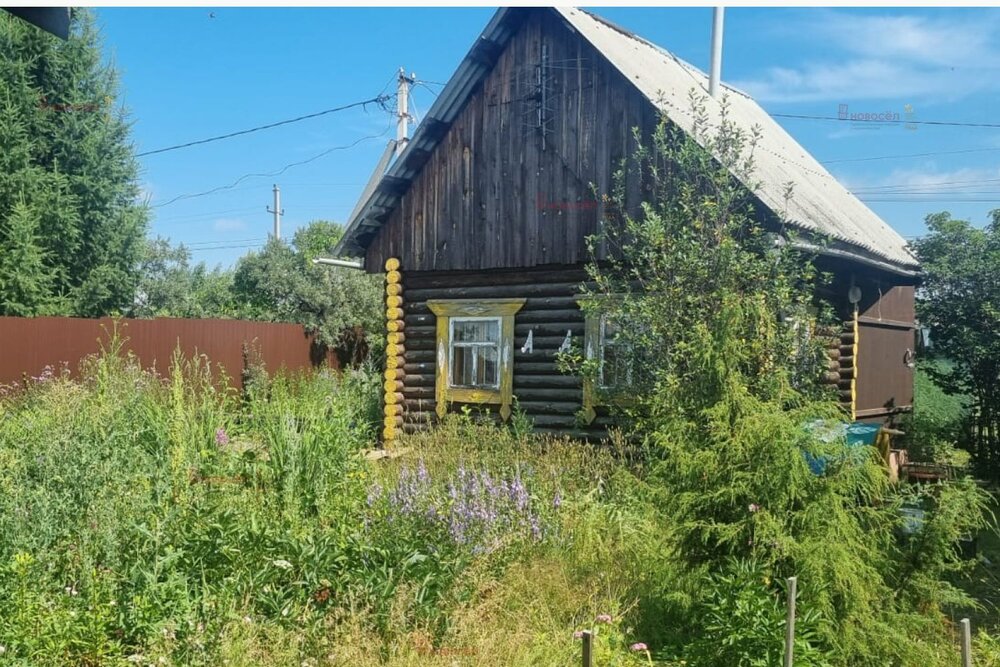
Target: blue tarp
858,434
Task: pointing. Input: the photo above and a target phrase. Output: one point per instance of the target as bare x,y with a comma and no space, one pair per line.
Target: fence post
588,649
966,643
790,622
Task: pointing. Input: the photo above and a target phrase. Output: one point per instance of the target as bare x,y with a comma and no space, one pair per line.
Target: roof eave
449,103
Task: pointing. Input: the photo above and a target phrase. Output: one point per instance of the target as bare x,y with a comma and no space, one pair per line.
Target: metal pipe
344,263
846,254
715,76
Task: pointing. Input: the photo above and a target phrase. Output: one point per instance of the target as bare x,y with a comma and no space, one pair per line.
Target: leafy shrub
742,614
939,421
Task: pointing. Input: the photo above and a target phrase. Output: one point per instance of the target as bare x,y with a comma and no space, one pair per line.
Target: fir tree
24,281
66,161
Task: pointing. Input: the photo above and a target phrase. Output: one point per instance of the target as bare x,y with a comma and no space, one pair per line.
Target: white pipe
718,14
345,263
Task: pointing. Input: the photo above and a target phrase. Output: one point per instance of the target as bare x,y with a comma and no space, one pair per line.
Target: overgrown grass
148,520
163,521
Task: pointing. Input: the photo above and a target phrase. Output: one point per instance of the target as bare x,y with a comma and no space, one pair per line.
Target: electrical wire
273,173
427,88
228,247
208,214
892,187
892,122
380,100
934,201
908,155
207,245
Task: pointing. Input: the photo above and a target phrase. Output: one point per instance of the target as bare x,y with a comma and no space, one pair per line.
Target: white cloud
879,57
229,225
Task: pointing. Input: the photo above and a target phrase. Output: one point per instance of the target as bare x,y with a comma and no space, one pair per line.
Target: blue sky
191,73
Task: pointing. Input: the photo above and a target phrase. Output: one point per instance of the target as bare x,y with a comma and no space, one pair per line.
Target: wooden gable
510,184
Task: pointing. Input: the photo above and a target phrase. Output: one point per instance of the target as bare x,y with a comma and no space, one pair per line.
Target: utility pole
403,110
278,212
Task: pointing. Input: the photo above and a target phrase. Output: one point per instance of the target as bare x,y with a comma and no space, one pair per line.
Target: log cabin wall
504,189
550,398
502,208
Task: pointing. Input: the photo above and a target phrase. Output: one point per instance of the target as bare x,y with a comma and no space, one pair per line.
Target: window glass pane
476,331
475,366
462,366
614,371
487,366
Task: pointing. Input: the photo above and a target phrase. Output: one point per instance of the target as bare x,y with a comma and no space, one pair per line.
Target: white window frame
602,344
452,344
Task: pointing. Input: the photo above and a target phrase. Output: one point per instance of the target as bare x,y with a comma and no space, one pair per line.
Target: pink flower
578,634
603,618
221,437
638,646
754,508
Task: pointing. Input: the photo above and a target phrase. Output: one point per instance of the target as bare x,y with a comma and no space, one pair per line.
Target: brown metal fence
28,345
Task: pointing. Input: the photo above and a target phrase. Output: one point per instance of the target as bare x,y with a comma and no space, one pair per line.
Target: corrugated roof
818,201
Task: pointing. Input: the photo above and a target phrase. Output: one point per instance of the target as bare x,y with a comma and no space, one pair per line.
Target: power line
891,186
378,99
921,193
935,201
273,173
892,122
908,155
208,214
206,244
228,247
424,85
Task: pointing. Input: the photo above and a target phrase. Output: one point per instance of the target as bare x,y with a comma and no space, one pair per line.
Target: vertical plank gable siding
490,196
550,398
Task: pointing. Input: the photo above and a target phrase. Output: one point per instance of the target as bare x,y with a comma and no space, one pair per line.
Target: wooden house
480,226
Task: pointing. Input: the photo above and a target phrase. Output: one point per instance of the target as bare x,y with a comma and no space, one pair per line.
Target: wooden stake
790,622
588,649
966,643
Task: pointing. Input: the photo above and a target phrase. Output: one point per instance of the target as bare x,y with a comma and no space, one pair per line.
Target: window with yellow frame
475,352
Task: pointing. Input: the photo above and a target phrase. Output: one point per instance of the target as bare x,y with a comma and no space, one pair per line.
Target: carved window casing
474,352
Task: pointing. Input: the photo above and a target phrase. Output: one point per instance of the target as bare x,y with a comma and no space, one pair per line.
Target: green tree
317,239
24,281
280,283
698,280
169,286
68,163
960,301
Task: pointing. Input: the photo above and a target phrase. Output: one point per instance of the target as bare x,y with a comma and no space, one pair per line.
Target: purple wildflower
374,494
603,618
422,476
754,508
638,646
557,501
536,529
578,634
221,437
